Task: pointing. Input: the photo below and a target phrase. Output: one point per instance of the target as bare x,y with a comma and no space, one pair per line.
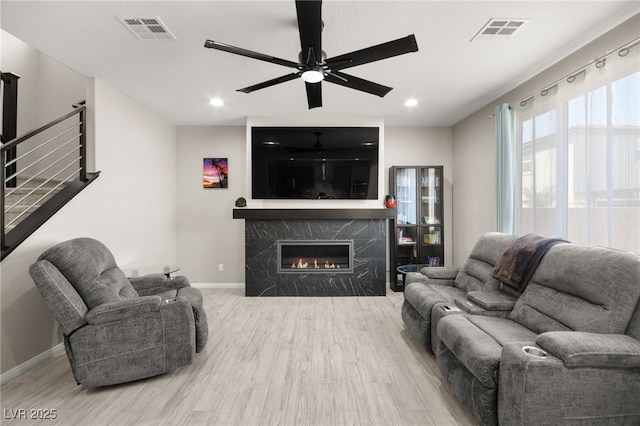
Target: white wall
130,207
424,146
474,143
46,88
206,233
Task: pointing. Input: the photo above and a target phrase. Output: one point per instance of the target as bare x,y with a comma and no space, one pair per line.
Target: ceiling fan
313,66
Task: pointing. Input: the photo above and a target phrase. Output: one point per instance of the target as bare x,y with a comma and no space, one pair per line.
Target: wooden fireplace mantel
306,214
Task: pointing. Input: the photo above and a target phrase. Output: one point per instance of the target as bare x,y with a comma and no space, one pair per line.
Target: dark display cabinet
417,232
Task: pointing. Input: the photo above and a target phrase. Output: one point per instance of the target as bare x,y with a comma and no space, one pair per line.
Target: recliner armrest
492,300
117,311
579,349
438,276
440,273
151,284
470,307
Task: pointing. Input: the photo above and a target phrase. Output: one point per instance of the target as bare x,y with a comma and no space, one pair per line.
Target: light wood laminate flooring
268,361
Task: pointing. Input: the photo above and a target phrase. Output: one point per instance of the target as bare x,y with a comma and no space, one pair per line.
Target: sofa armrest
492,300
578,349
469,307
440,273
117,311
438,276
148,285
538,388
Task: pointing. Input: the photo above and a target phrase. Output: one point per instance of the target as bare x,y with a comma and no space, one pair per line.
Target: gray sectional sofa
564,350
433,292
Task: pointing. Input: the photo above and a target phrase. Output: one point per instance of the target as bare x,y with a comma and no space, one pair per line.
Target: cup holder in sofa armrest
534,352
448,308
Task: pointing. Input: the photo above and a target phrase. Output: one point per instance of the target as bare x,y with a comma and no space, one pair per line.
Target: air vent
499,29
148,28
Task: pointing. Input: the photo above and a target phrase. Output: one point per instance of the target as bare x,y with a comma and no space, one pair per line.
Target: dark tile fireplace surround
362,230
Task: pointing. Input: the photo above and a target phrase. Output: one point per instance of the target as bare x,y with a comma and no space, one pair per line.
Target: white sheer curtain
578,151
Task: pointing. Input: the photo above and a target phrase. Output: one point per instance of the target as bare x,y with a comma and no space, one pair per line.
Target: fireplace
357,233
315,256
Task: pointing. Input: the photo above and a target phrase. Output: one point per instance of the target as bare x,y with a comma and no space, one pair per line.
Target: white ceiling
450,76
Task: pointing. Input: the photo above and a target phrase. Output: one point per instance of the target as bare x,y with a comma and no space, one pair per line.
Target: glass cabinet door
431,246
407,249
430,208
406,190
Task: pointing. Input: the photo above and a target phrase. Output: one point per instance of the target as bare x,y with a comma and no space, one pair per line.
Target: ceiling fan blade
374,53
310,27
357,83
269,83
314,95
250,54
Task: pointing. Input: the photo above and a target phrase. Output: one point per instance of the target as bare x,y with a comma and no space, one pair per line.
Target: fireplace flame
302,264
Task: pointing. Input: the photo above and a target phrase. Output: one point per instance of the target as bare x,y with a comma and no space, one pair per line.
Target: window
579,157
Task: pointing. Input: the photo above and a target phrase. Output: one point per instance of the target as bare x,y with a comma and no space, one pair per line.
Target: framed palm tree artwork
215,173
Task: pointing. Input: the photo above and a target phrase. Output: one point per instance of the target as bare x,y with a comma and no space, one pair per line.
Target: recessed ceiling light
410,103
217,102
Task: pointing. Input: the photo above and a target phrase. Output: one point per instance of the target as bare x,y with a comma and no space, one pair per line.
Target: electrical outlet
220,267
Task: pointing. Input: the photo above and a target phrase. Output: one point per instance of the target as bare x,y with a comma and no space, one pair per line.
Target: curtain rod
570,77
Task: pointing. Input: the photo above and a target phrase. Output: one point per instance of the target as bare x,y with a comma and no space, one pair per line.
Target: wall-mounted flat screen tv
314,162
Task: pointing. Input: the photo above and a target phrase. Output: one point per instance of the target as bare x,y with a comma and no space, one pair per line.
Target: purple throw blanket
521,258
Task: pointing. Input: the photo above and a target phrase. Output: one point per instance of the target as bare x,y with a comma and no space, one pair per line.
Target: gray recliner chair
117,329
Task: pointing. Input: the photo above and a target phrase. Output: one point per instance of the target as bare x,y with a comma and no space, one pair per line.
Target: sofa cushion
477,271
476,276
62,299
477,341
521,258
92,270
580,288
490,247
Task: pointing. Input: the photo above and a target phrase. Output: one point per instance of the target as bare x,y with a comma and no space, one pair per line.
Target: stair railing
54,155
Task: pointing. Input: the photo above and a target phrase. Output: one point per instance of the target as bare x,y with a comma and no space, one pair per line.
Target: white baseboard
32,363
217,285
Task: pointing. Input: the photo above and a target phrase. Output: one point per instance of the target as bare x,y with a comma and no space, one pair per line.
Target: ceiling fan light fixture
313,76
